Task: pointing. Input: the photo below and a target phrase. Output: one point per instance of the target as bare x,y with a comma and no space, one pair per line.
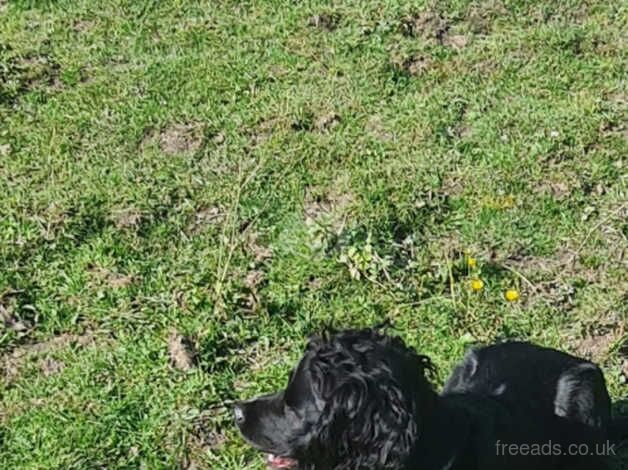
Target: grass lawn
189,189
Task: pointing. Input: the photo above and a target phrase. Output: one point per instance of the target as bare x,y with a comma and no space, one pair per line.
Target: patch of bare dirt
251,303
559,183
253,279
266,128
428,25
413,65
127,218
598,189
324,21
480,16
5,149
50,366
453,184
205,436
328,208
597,344
205,217
39,70
189,464
219,138
564,263
456,41
376,128
557,189
11,321
619,98
113,279
216,440
119,281
315,283
597,336
181,138
59,342
557,293
260,252
549,278
446,247
431,26
181,351
83,26
11,363
24,74
464,131
327,121
20,323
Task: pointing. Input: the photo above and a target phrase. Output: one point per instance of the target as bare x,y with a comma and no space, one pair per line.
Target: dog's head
354,401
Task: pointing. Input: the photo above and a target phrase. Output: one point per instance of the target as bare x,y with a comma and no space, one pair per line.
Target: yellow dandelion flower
512,295
472,262
477,284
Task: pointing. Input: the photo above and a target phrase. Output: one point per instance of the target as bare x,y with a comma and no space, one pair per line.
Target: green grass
244,173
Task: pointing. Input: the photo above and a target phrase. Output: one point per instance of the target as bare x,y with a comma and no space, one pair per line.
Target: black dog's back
544,381
554,396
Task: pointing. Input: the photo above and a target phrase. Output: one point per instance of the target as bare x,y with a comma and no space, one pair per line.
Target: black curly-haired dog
360,399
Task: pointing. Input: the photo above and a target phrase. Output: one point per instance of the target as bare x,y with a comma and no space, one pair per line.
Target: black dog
362,400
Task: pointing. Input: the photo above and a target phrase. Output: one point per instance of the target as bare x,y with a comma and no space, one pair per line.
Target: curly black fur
372,387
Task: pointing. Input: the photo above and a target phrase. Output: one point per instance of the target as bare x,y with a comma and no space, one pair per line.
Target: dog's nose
238,414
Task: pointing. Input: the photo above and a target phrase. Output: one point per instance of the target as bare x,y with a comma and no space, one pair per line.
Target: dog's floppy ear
366,422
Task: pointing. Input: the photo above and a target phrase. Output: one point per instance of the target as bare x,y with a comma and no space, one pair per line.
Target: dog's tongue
276,461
